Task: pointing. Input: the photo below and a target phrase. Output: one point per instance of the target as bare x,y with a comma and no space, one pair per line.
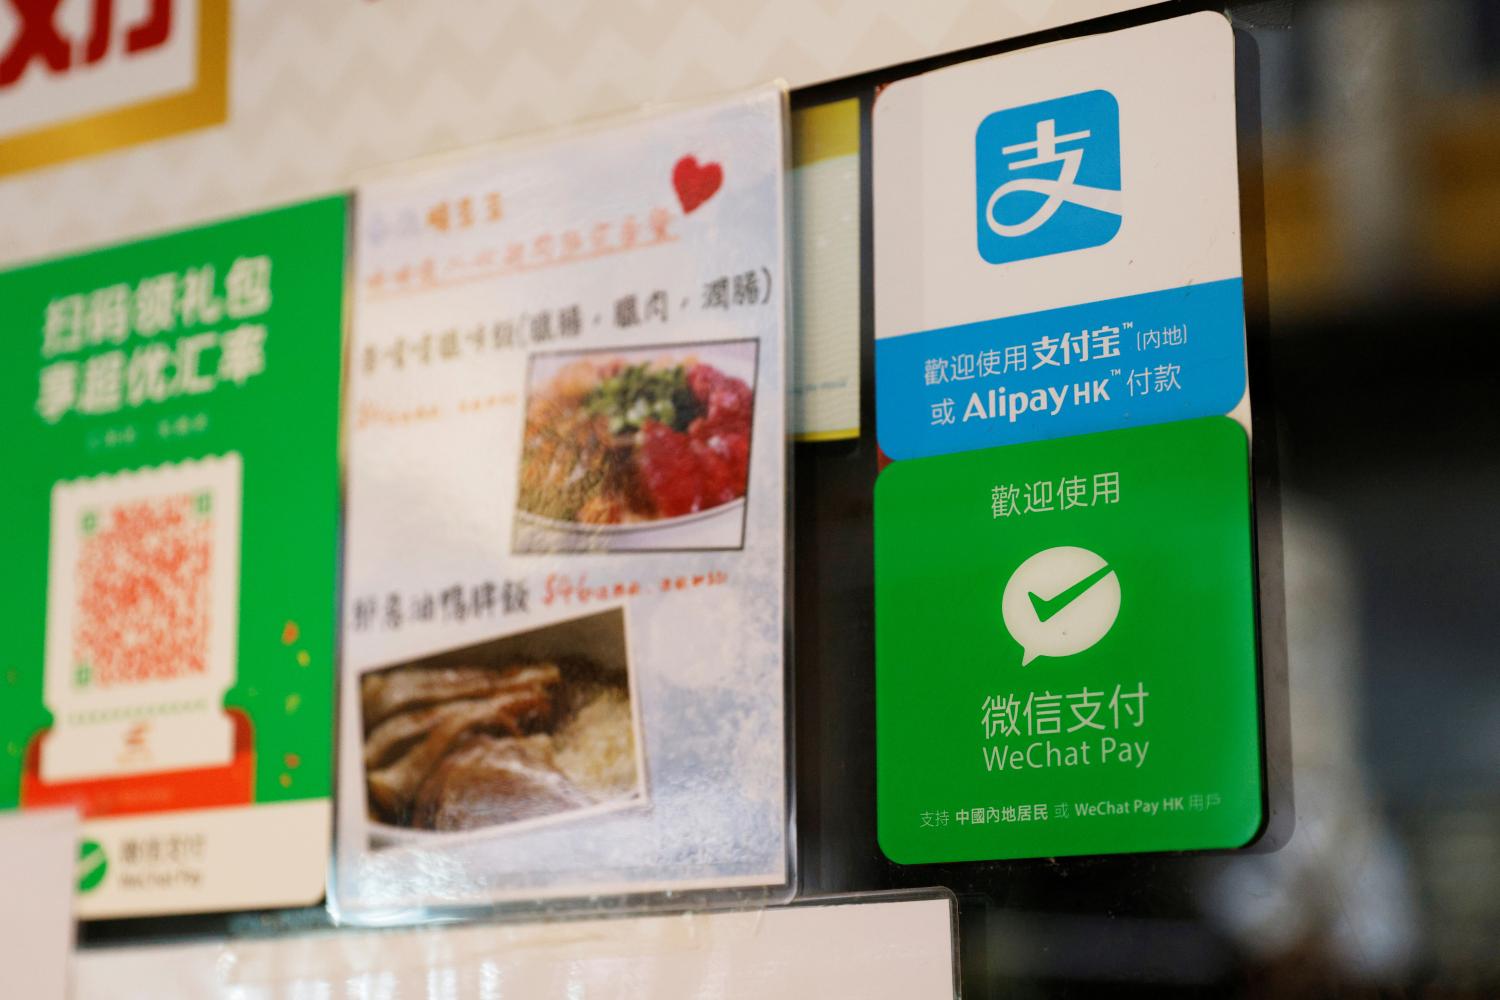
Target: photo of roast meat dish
452,747
611,441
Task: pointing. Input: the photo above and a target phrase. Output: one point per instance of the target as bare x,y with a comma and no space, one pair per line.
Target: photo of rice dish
612,441
462,746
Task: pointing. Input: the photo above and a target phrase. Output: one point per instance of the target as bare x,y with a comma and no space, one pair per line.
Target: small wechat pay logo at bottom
1060,601
93,865
1047,177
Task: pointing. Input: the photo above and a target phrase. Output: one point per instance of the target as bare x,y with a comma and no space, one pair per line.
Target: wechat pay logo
1061,601
1048,177
92,865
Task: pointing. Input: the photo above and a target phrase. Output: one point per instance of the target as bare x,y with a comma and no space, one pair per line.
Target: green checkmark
1045,609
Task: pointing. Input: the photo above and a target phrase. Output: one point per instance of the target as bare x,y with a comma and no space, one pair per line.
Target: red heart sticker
695,182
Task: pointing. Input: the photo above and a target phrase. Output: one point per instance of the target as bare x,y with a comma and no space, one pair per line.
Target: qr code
143,600
144,570
144,589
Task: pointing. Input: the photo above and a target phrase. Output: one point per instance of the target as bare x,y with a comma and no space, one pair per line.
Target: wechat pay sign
1065,642
1061,601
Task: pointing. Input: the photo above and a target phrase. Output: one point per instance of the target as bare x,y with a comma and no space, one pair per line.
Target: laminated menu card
171,417
564,568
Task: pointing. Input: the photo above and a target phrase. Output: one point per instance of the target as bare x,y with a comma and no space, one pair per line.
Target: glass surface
1371,135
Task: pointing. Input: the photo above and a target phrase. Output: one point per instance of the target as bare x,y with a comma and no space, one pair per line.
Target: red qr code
144,590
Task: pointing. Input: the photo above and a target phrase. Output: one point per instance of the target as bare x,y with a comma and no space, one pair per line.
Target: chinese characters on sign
542,328
121,346
1043,713
1041,812
455,603
38,39
517,256
497,598
1159,378
1031,358
1010,500
1046,352
1063,371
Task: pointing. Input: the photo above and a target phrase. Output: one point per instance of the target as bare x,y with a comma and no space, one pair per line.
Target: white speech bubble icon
1060,601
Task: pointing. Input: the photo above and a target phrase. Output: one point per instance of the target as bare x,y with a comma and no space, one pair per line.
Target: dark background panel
1372,185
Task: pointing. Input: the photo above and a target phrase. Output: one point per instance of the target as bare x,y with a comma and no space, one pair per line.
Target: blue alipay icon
1047,177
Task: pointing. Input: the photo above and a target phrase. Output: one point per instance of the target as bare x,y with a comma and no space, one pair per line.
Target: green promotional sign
171,409
1065,643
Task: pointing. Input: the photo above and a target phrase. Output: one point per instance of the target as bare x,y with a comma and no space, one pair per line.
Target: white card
39,865
876,946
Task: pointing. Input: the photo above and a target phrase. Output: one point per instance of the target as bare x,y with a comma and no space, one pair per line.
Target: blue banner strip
1141,359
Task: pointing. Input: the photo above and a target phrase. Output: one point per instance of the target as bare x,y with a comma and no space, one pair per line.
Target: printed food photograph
646,449
534,727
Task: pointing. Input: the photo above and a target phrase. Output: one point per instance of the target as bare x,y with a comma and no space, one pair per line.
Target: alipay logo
1048,177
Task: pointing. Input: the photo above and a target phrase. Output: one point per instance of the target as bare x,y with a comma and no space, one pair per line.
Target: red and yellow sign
79,77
